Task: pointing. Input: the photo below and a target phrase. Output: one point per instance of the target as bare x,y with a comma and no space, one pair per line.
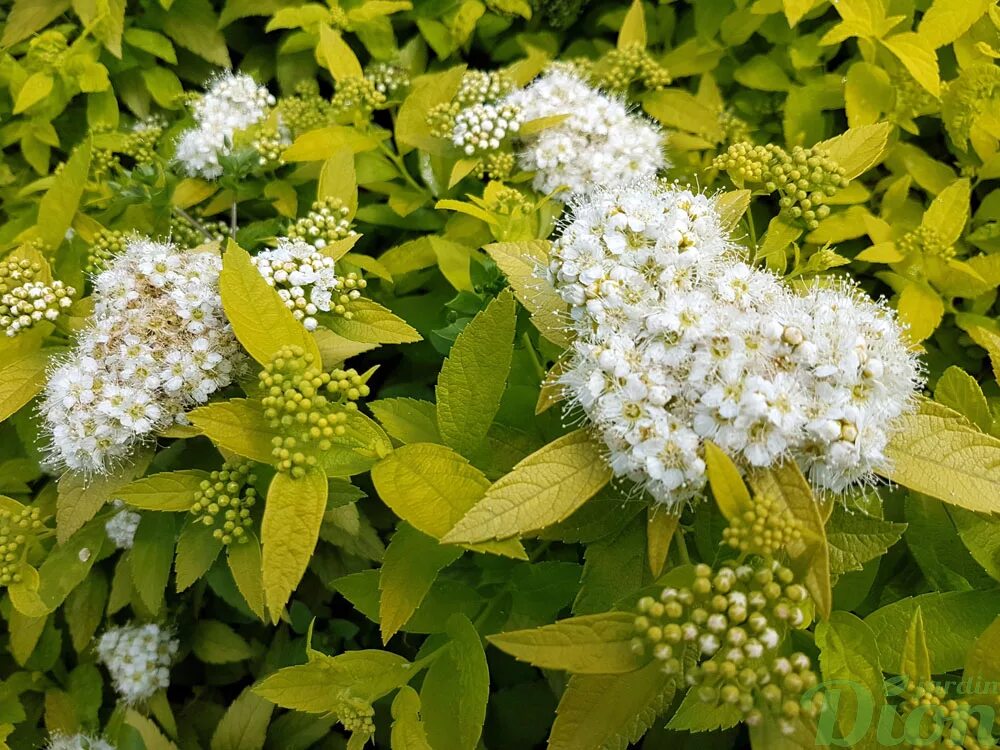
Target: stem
401,166
192,221
232,221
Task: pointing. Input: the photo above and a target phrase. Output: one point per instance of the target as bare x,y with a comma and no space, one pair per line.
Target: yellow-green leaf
982,664
293,514
592,644
324,143
661,525
168,490
408,732
731,207
337,179
80,496
946,20
859,149
989,341
237,425
408,420
633,30
918,56
543,489
21,380
58,206
949,212
731,494
937,452
921,309
28,16
214,642
259,318
474,376
915,663
33,90
244,725
245,565
337,56
371,323
152,737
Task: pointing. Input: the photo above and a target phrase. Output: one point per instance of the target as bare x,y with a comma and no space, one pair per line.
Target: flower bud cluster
805,178
46,50
678,341
307,405
328,220
621,67
305,109
732,621
305,278
77,742
496,165
359,95
157,344
121,527
17,531
955,720
24,300
233,102
598,140
138,657
485,127
184,234
389,79
925,240
270,142
356,715
106,245
228,491
477,87
763,529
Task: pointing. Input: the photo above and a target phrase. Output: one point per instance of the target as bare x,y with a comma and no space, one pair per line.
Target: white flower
157,344
678,341
484,127
77,742
122,525
233,102
598,142
138,657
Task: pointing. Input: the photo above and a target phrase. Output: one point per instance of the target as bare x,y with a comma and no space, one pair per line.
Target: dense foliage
466,374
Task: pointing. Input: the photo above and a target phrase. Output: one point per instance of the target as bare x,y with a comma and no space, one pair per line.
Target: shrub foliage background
343,619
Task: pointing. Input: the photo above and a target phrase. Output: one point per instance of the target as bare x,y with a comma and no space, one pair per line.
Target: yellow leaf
245,565
152,737
80,497
946,20
259,318
948,213
21,381
237,425
809,556
921,309
337,55
166,491
937,452
990,341
474,376
33,90
362,444
859,149
412,128
58,206
191,191
373,324
25,17
541,490
915,663
337,179
921,60
591,644
431,487
408,731
334,348
633,30
731,207
522,264
731,494
796,9
661,525
324,143
289,530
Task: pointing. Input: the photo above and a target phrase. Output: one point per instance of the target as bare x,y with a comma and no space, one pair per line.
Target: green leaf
372,323
958,390
59,205
949,212
197,549
412,562
166,491
918,56
522,264
432,487
152,737
856,538
334,53
28,16
152,42
456,690
693,715
293,515
412,128
935,451
22,380
728,489
194,26
633,30
245,565
848,651
325,143
921,309
762,73
152,556
952,620
982,664
915,661
362,444
34,89
259,318
237,425
592,644
796,9
474,376
317,687
543,489
80,497
244,725
408,732
408,420
84,609
615,566
215,642
610,711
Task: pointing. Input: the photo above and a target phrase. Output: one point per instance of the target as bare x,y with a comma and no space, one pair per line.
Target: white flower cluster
121,527
77,742
157,344
483,127
32,302
138,657
598,138
679,341
307,281
233,102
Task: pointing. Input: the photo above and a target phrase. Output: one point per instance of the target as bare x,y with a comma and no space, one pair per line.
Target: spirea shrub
499,374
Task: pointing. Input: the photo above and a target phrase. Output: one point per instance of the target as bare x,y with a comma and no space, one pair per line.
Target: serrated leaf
412,561
859,149
731,207
856,538
661,525
245,564
982,664
28,16
151,557
372,323
915,662
22,380
194,26
474,376
591,644
408,732
919,58
607,712
214,642
693,715
728,488
165,491
958,390
946,20
334,53
543,489
84,608
244,725
80,497
152,737
237,425
456,689
259,318
633,29
949,212
408,420
921,309
197,549
935,451
522,263
293,514
34,89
